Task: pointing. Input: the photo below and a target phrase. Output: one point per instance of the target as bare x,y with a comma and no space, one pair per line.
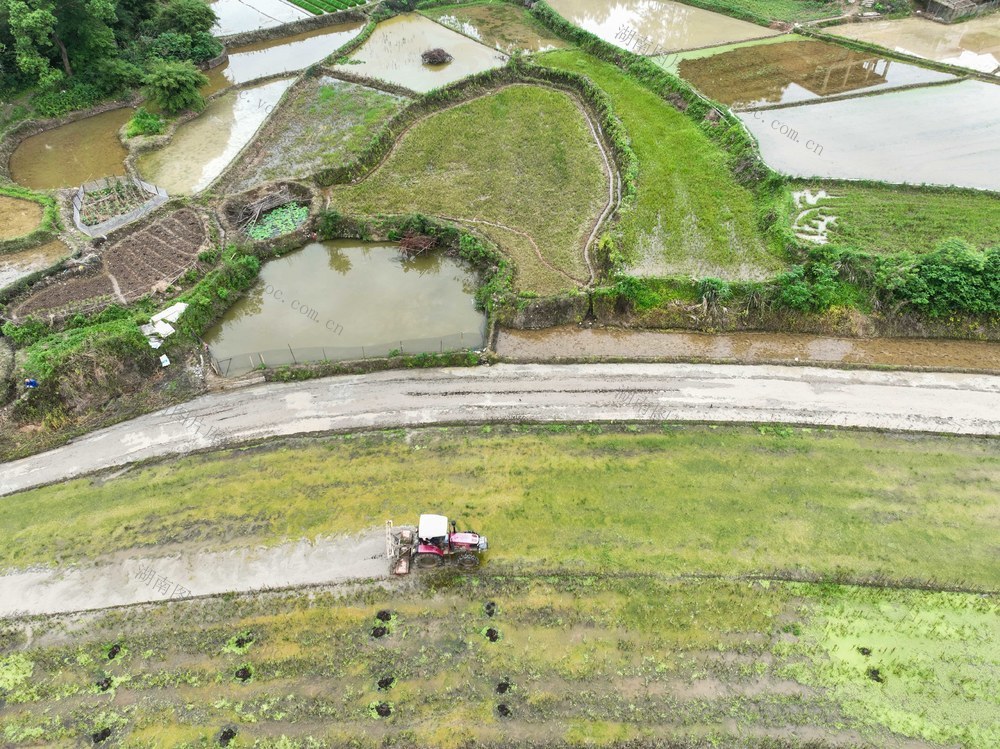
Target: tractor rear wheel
427,561
467,561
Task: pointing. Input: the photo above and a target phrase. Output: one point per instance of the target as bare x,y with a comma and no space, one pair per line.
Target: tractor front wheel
427,561
467,561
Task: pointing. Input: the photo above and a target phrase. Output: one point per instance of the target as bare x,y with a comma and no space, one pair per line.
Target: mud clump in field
490,608
99,736
492,634
113,651
243,640
876,675
504,686
104,684
378,632
226,735
383,709
504,711
865,651
243,673
386,683
384,615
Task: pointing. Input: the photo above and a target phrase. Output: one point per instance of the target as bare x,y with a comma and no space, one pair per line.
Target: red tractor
433,545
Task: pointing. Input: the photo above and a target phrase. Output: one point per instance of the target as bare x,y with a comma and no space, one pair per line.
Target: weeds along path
614,179
543,393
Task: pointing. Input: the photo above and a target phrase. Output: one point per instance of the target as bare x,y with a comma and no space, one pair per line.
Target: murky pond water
797,70
285,55
18,217
580,343
20,264
973,44
236,16
670,26
70,155
330,299
942,135
504,27
202,148
392,54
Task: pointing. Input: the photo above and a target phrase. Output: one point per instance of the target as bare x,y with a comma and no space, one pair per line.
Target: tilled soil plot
156,254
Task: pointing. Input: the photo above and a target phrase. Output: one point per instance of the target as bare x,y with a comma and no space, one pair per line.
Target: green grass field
675,500
523,158
895,219
589,661
774,10
691,217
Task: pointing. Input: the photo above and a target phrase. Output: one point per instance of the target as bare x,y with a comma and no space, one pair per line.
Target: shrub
186,17
76,95
144,122
174,86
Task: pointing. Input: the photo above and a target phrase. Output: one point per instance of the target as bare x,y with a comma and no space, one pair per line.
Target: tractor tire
467,561
427,561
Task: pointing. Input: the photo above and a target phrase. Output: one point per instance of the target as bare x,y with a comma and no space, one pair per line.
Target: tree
186,17
174,86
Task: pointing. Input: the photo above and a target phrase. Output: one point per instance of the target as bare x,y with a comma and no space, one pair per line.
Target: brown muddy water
941,135
502,27
73,154
973,44
669,26
572,342
330,299
20,264
18,217
797,70
201,149
236,16
392,54
288,54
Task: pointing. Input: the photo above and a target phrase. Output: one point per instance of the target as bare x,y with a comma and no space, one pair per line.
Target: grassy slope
325,126
591,660
523,157
685,499
691,218
893,219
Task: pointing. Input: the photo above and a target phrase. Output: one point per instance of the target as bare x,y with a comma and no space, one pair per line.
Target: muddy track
950,403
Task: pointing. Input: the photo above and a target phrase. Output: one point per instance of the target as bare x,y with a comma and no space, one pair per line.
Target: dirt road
903,401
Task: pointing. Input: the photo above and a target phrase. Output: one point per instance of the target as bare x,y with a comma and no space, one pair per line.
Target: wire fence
241,364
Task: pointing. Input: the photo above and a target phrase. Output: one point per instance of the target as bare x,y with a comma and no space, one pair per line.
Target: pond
201,149
797,70
70,155
504,27
973,43
940,135
19,264
668,25
285,55
236,16
393,51
347,299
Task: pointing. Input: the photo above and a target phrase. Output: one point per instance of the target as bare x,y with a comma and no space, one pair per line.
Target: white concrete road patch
900,401
130,579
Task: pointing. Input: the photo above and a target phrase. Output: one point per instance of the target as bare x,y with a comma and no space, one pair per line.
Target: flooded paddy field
237,16
392,54
795,70
670,26
201,149
502,27
941,135
20,264
18,217
72,154
329,299
973,44
285,55
321,126
573,342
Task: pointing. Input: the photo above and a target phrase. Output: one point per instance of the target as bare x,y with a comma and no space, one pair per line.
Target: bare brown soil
18,217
